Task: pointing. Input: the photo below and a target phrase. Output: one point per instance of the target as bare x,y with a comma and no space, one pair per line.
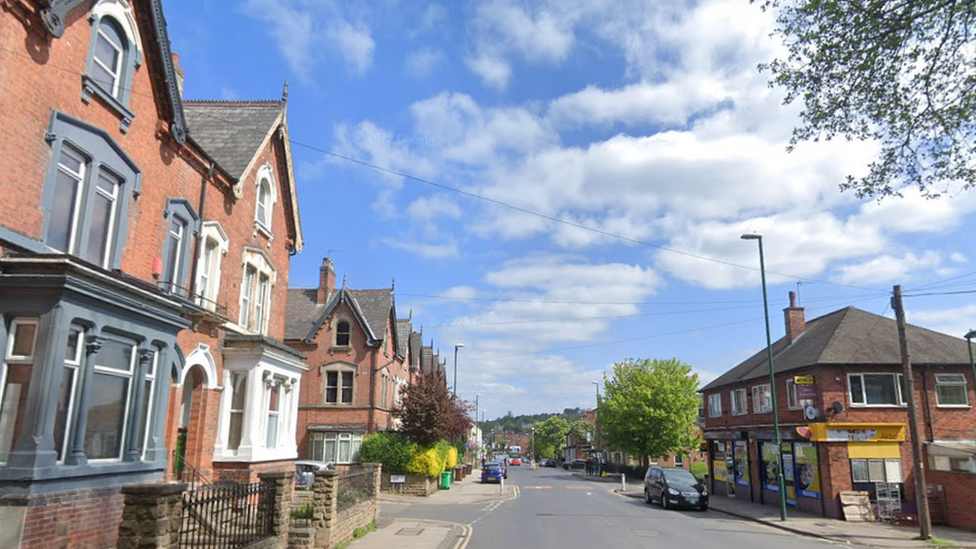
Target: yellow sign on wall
803,380
857,432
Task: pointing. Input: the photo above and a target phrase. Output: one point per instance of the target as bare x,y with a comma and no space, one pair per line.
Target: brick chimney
179,73
327,280
796,323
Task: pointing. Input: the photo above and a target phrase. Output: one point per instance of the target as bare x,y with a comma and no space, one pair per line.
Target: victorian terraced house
145,245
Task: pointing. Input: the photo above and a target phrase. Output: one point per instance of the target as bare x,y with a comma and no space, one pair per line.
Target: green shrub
427,463
392,450
452,458
699,469
304,512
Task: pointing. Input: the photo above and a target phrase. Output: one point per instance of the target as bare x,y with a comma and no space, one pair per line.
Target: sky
562,184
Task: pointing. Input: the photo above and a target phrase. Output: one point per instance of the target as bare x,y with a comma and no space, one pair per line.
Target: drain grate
409,531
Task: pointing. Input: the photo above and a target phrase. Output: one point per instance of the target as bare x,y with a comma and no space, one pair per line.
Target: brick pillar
281,481
325,502
152,516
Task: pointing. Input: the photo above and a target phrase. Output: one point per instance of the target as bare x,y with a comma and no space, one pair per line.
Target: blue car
493,471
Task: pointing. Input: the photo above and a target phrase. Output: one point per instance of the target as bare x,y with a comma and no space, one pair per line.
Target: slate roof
301,313
231,131
426,359
849,337
416,344
404,328
375,306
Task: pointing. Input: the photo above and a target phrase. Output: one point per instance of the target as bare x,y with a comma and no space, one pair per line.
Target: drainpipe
928,404
194,265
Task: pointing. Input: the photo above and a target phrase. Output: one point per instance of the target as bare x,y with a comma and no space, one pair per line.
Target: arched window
263,213
342,333
113,55
265,199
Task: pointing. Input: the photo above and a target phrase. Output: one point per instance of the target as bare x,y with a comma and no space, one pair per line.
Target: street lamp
477,428
772,375
596,420
456,347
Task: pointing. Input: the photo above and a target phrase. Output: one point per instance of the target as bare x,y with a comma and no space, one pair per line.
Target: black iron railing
354,486
227,516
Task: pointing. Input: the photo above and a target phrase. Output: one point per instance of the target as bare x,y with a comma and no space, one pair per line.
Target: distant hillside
523,424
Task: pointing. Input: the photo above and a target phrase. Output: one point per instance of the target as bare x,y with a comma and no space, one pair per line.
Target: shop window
952,463
762,402
876,389
110,399
15,372
335,447
865,471
950,390
715,405
739,404
339,386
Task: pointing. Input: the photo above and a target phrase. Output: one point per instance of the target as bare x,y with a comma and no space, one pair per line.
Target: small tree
550,435
649,407
428,413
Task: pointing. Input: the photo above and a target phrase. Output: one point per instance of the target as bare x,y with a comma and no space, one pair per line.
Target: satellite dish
837,407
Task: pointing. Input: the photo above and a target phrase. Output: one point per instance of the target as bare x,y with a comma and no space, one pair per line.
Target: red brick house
144,252
843,414
357,365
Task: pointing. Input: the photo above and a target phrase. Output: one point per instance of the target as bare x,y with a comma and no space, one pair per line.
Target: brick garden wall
415,485
79,519
960,494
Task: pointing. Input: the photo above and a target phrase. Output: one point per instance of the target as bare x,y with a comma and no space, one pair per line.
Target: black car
575,464
674,487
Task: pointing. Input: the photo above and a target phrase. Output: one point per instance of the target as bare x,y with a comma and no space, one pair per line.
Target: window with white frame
762,400
256,287
335,447
740,406
791,401
215,246
238,398
339,385
110,399
15,374
274,413
876,389
876,470
950,390
87,192
715,405
181,222
68,391
114,53
266,196
679,460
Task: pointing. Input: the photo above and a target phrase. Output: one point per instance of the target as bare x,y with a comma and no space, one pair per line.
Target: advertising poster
788,474
770,467
718,469
741,457
807,470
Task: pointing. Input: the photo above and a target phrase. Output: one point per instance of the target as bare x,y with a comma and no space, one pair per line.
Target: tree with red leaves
428,413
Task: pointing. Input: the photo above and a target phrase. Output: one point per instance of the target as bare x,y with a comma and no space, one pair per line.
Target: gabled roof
233,133
426,359
849,337
372,309
404,327
416,343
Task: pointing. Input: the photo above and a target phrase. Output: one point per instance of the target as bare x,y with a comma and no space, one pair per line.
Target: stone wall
329,527
415,485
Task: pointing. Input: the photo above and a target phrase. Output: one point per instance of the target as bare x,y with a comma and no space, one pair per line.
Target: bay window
110,399
335,447
15,373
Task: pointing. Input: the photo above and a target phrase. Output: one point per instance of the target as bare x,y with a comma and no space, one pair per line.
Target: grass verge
358,533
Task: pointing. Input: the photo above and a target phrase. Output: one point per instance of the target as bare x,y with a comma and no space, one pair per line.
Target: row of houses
148,327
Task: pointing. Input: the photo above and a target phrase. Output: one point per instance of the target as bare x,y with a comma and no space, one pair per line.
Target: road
556,510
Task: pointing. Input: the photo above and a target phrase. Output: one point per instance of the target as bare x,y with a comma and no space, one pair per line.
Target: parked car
493,471
515,462
305,471
575,464
546,462
674,487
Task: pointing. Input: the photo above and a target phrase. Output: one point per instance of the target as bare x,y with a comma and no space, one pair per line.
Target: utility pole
921,495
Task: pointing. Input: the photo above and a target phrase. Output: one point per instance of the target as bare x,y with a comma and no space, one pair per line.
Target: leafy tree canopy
649,407
901,73
550,436
428,413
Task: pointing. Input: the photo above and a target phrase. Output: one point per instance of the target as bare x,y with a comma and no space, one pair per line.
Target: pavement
432,534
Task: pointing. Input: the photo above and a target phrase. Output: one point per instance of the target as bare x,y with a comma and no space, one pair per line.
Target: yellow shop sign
803,380
857,432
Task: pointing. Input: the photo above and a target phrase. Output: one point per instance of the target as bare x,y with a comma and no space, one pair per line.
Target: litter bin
446,480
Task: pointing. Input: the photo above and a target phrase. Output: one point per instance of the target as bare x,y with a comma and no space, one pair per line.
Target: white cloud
493,71
354,43
888,268
955,321
424,249
420,63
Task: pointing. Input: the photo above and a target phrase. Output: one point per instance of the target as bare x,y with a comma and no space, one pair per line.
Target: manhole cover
644,533
409,531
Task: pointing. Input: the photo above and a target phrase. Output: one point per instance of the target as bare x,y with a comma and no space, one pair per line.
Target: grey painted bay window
181,224
15,375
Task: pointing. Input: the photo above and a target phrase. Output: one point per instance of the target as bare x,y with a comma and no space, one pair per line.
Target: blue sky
580,173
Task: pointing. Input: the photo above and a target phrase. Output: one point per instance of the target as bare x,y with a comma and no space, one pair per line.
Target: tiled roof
231,132
404,327
853,337
375,306
416,343
302,313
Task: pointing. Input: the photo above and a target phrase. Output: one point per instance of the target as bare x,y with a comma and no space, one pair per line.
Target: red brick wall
960,493
80,519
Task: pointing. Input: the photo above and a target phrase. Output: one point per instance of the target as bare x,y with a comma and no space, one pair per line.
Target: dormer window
342,333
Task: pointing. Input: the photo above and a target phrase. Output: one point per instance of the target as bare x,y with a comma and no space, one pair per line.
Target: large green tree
550,436
902,73
648,408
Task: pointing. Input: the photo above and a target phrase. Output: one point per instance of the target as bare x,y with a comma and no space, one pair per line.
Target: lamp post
456,347
477,427
596,420
772,376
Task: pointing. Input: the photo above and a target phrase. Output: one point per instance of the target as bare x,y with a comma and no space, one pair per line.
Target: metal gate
227,516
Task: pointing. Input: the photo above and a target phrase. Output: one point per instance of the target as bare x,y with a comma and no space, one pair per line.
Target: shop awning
954,448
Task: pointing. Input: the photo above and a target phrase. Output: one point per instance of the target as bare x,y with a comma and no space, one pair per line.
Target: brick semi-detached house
843,416
360,356
145,246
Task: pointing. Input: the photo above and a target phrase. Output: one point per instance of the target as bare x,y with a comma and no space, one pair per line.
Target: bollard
623,482
501,489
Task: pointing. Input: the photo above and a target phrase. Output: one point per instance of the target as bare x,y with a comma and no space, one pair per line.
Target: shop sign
803,380
806,392
857,432
807,470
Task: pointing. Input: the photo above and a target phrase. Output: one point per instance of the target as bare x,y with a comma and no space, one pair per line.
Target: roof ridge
233,101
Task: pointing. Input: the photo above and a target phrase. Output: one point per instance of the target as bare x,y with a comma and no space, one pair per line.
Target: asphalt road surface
558,511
